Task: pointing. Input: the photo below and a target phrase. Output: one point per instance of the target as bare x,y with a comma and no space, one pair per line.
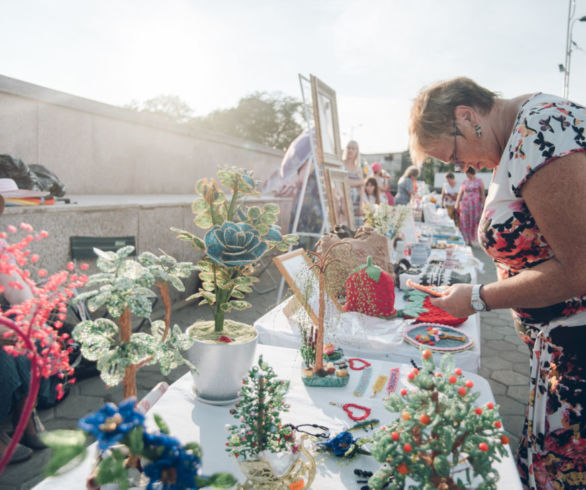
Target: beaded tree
258,413
31,332
440,433
123,286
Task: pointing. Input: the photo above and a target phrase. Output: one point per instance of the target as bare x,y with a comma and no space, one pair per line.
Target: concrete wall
97,148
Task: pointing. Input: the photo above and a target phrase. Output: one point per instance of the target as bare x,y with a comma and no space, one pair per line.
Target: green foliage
224,285
168,106
67,445
268,119
439,428
258,414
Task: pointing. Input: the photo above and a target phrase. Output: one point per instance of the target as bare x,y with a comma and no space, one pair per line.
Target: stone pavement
504,362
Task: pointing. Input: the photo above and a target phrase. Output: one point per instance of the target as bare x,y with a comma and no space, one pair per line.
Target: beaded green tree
258,413
441,439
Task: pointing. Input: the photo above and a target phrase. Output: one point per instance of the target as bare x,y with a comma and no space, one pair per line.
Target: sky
376,54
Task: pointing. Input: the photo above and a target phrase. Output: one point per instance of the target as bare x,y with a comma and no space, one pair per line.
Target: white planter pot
221,367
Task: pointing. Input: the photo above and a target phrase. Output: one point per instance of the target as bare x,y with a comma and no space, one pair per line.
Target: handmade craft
441,439
366,242
344,445
349,409
419,306
437,337
259,432
371,291
127,447
378,385
394,376
432,290
363,382
312,349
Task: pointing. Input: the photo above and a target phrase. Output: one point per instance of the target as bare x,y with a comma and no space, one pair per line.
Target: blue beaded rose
234,244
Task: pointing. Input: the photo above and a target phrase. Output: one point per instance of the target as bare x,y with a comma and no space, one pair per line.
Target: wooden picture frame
327,128
295,267
339,195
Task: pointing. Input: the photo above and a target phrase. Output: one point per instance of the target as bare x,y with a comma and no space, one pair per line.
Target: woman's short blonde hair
411,171
432,114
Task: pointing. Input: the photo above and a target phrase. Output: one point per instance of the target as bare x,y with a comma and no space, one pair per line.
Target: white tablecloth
373,338
191,420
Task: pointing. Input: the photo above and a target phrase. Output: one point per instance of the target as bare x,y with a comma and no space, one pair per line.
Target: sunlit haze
375,54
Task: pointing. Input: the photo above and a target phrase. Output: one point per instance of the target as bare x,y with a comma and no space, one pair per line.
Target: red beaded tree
31,334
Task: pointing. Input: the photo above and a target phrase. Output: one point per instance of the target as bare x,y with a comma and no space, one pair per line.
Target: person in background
353,166
469,204
534,227
449,196
407,185
371,192
384,182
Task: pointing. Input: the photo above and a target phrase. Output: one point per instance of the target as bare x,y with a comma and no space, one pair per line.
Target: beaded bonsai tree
237,237
126,445
30,332
259,431
124,288
441,432
259,413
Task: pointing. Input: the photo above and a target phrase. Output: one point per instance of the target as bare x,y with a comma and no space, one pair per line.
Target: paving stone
494,363
521,367
510,378
519,393
484,372
514,424
509,406
490,333
76,407
512,355
500,345
498,389
523,349
514,339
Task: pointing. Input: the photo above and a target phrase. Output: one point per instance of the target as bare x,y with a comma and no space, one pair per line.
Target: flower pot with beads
236,238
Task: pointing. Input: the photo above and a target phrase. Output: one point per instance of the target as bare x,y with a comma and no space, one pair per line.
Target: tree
271,119
169,106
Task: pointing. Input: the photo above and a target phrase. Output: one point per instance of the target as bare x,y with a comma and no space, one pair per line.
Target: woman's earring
478,130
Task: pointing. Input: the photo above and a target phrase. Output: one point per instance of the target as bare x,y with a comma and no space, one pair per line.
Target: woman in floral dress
469,203
534,227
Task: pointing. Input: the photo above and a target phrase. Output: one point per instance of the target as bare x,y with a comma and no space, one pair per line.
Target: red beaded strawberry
371,291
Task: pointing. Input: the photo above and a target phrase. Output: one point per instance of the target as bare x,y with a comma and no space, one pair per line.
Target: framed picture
327,128
339,198
295,267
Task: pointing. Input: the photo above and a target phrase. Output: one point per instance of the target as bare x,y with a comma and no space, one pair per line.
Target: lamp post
565,68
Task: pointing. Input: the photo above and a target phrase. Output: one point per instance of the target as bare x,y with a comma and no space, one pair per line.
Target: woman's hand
456,301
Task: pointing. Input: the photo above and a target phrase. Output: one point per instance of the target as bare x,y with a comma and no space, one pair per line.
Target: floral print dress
470,208
552,453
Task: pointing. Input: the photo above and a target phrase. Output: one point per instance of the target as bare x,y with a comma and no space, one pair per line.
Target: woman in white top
449,195
371,194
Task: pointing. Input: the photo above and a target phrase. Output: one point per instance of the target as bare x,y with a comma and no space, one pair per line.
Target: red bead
395,436
490,405
403,392
424,419
452,379
483,446
478,411
462,390
469,384
426,354
504,439
407,447
498,424
458,371
403,469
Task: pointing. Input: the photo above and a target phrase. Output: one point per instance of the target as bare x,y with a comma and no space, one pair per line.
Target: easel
319,174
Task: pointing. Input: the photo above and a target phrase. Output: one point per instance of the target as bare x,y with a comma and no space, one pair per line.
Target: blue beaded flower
175,468
343,445
274,235
234,244
111,423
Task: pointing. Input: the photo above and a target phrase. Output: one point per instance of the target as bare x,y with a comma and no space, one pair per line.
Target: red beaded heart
351,363
348,409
